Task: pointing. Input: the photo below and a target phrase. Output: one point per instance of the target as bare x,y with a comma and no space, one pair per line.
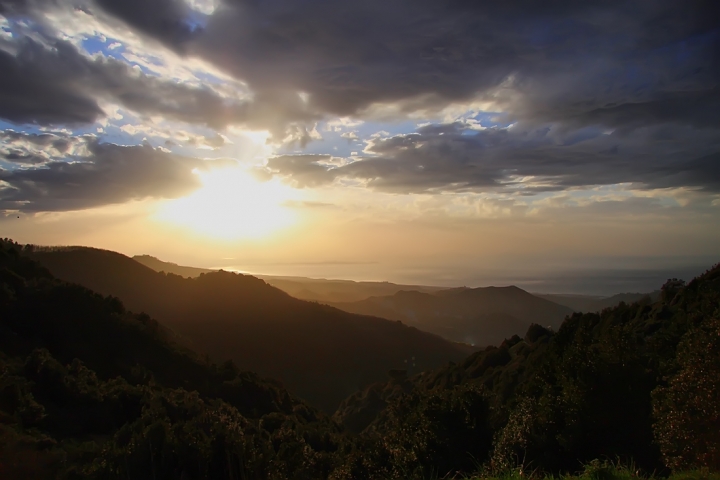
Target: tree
688,408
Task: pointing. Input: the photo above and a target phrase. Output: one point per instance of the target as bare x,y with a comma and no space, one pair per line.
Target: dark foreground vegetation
90,390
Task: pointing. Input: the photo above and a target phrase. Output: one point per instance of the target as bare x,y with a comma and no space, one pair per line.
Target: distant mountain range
588,303
168,267
313,289
479,316
319,352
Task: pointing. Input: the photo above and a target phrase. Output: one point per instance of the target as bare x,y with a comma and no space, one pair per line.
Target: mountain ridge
480,316
313,289
320,353
301,287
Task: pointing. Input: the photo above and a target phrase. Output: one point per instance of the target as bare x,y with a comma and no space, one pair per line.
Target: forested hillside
90,390
320,353
637,383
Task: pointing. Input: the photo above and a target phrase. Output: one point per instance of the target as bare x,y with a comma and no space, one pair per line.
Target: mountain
168,267
339,292
320,353
590,303
89,390
638,383
329,291
479,316
313,289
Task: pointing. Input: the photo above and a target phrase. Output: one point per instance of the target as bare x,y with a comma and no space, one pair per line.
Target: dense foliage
636,383
90,390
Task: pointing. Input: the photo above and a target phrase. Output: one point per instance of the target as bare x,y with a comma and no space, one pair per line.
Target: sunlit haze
230,205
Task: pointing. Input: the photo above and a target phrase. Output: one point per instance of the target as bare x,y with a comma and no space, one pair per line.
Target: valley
89,387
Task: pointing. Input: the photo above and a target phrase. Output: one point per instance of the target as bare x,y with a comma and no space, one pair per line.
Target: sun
231,204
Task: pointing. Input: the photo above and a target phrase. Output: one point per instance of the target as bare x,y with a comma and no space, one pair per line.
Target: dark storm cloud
608,62
39,86
22,158
55,84
24,7
348,55
109,174
165,20
521,159
678,83
168,21
703,172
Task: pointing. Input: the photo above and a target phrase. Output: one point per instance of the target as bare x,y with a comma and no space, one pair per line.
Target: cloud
56,84
523,160
37,149
598,92
308,204
108,174
39,86
23,7
51,141
204,6
165,20
618,64
168,21
19,157
305,170
631,58
349,136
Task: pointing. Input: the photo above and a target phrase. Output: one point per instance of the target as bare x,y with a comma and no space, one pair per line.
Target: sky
563,146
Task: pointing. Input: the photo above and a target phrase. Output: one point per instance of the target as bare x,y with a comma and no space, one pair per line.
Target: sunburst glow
231,204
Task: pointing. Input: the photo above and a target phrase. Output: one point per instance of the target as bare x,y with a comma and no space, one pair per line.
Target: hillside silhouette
320,353
329,291
313,289
169,267
89,390
346,291
479,316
